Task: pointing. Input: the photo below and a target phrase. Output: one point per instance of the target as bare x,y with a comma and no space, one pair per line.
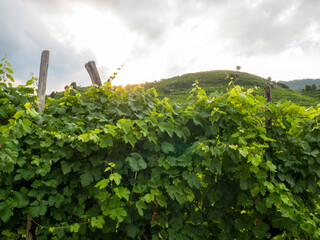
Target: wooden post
29,235
43,74
267,95
43,79
93,72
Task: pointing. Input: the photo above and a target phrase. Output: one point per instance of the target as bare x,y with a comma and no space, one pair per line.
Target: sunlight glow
100,32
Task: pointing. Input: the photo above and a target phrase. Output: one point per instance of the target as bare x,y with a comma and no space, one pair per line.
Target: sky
157,39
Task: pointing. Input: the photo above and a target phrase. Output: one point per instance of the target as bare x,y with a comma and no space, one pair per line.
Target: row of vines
117,164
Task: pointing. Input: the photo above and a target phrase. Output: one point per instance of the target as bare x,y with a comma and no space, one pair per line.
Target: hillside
177,88
300,83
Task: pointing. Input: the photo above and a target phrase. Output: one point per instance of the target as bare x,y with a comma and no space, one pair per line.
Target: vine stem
67,226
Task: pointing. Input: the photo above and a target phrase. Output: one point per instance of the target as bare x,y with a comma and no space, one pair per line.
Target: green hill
177,88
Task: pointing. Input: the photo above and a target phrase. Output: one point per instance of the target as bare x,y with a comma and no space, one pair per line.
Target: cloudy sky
158,39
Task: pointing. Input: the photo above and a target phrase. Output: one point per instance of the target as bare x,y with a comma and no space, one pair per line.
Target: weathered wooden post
29,235
267,95
43,73
93,72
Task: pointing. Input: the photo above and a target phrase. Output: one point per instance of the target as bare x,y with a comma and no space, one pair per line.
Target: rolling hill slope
177,88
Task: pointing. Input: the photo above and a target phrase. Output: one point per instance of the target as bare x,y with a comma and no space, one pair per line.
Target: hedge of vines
116,164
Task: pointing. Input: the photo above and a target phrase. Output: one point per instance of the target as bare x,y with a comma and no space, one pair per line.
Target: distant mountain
299,84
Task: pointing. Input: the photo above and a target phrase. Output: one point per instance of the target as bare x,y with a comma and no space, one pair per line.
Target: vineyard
112,163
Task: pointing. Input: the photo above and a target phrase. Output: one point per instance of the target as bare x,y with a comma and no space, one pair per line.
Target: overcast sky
158,39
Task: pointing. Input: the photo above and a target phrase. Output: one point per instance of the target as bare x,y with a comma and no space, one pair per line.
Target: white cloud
158,39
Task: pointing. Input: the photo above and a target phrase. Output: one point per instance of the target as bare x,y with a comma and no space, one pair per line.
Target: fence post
93,72
43,74
43,79
29,235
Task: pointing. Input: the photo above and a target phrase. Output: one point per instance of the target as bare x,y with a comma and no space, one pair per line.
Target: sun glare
100,32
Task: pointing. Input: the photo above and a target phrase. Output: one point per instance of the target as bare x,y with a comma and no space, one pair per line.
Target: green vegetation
307,87
177,88
298,85
117,164
211,80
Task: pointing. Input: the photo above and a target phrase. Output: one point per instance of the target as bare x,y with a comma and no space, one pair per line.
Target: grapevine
112,163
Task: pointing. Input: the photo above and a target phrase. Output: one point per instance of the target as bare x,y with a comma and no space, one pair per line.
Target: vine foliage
111,163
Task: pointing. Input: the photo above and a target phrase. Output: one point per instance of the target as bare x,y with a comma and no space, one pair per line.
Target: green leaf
122,192
192,179
103,195
243,184
235,135
86,178
162,200
254,159
176,193
18,114
9,70
125,125
10,77
26,124
167,147
5,213
116,177
140,205
317,171
118,213
109,129
315,153
29,82
244,152
132,230
261,230
27,105
106,141
66,167
32,112
4,193
148,198
130,138
47,143
136,162
269,185
8,64
142,163
18,200
38,208
242,141
266,138
102,183
97,222
74,227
